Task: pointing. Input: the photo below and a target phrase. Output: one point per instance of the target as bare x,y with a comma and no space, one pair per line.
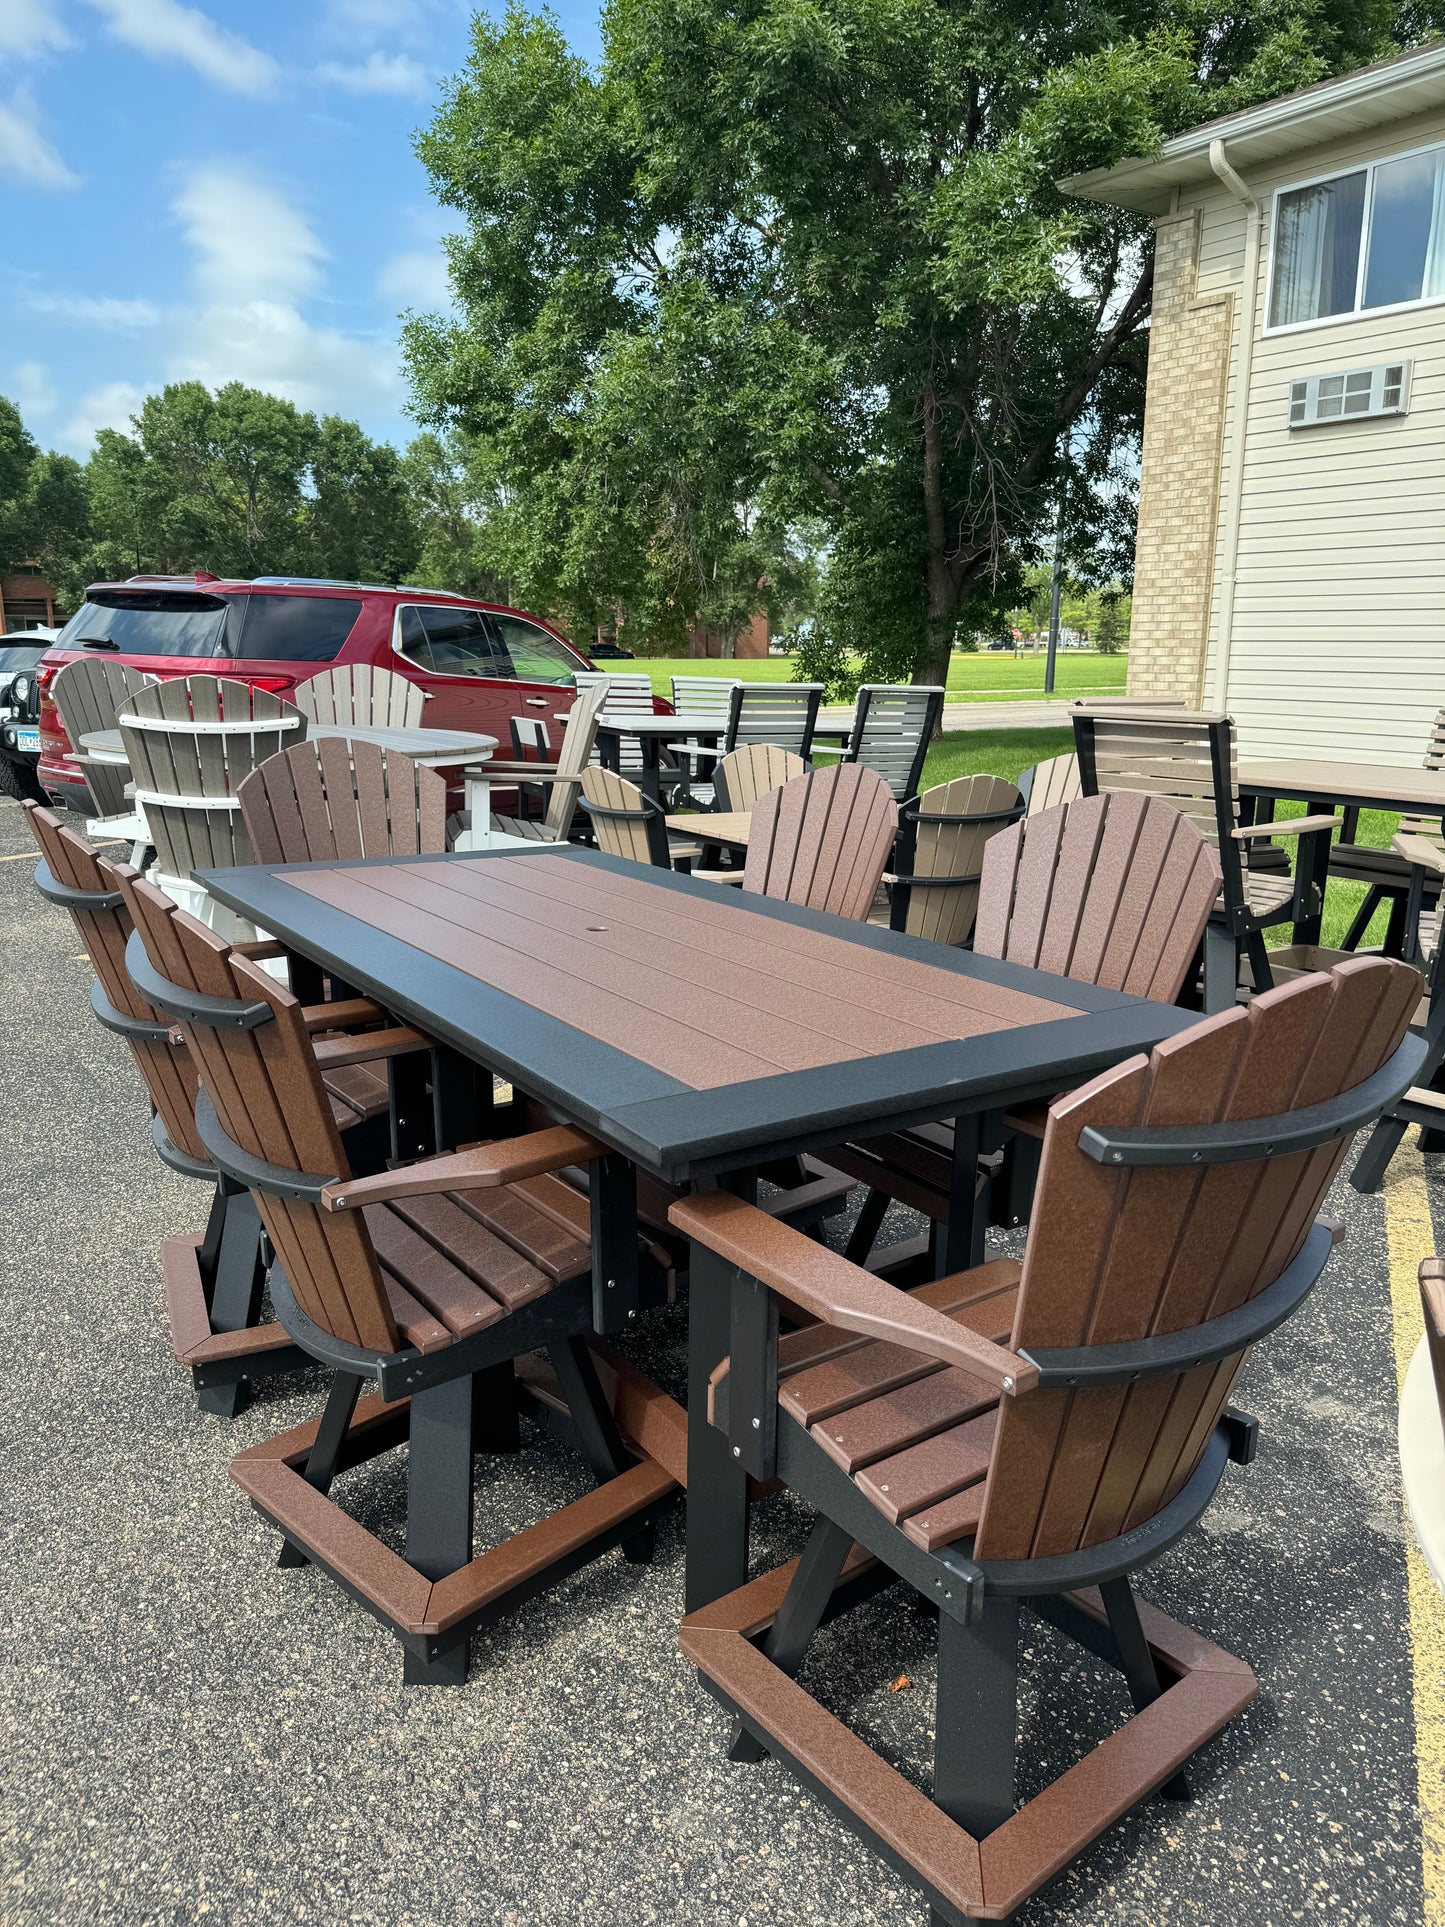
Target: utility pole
1054,600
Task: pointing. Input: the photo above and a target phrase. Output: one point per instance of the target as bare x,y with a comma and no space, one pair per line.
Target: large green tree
776,262
44,508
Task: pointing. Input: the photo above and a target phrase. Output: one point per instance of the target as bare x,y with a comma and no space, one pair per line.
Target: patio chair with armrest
562,780
1386,874
1063,1421
942,836
706,699
430,1281
628,824
1045,785
89,693
332,798
1188,761
628,692
893,725
822,840
213,1283
1114,890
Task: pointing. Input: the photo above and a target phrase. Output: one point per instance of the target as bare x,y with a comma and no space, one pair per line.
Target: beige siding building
1291,549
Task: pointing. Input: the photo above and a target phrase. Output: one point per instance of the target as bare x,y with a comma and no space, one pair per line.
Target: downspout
1233,502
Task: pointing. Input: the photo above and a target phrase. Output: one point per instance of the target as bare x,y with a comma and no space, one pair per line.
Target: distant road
1029,714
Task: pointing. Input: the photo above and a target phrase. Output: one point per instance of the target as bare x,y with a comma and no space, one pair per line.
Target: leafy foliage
778,261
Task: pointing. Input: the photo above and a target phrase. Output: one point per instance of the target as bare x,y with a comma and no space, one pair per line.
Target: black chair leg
977,1717
439,1507
597,1431
495,1419
862,1237
239,1275
1355,935
1381,1145
1255,948
1137,1663
326,1447
717,1486
799,1617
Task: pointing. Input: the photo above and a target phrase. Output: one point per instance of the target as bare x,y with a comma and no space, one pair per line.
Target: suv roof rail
452,595
316,582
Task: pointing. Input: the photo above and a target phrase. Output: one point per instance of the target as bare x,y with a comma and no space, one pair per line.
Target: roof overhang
1392,90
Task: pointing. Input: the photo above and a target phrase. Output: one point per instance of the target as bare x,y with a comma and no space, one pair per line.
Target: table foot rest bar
966,1878
434,1617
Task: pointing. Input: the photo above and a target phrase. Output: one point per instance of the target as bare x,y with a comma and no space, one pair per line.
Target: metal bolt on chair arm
483,1167
826,1284
1259,1137
189,1005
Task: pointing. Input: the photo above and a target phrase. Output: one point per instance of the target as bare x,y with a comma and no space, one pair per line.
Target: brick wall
1180,470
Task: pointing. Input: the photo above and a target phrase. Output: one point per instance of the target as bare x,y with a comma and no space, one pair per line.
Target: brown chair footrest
988,1879
193,1342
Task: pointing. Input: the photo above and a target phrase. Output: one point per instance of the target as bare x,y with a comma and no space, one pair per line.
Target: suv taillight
275,684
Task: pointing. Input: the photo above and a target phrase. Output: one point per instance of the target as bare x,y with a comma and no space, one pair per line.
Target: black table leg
717,1485
963,1244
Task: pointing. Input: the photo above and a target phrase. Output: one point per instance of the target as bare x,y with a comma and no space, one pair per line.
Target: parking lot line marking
1410,1237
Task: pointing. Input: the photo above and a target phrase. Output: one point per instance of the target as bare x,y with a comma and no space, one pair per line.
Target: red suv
480,665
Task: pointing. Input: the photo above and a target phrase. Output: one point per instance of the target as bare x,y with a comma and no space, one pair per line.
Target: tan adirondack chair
744,775
89,694
1064,1421
357,692
563,778
625,823
1050,783
822,840
934,891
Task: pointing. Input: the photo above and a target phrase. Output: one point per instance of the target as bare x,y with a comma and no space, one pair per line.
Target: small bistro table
728,828
433,748
651,732
697,1037
1322,785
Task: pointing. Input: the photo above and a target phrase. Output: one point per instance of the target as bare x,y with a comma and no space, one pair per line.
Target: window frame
1369,169
430,669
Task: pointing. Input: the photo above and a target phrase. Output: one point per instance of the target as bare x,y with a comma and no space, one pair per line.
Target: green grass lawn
982,678
1007,752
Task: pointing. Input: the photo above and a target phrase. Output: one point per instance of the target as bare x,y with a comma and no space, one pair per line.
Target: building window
1373,238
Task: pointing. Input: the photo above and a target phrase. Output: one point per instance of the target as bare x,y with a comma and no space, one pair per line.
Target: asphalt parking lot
187,1732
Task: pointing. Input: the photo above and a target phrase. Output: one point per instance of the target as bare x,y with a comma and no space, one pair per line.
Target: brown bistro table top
693,1031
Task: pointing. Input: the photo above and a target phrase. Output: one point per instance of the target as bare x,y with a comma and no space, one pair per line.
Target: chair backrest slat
169,1074
1051,782
704,697
191,744
628,693
573,757
1124,1254
1112,890
336,798
89,694
929,849
892,727
270,1102
823,840
745,774
1434,759
623,821
360,693
784,714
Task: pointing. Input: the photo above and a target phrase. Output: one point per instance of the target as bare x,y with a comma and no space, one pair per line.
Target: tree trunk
932,664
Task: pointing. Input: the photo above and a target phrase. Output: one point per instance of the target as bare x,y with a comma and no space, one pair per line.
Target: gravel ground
187,1732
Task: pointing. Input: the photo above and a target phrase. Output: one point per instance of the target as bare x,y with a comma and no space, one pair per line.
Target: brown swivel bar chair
1033,1432
431,1281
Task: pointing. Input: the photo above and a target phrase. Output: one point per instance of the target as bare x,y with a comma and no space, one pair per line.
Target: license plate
28,740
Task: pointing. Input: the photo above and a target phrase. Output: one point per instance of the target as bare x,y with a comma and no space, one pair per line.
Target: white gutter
1233,495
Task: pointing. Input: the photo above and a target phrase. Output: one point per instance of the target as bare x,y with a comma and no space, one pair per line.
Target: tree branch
1129,317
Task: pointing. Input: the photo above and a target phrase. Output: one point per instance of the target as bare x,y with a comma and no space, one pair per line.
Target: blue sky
222,192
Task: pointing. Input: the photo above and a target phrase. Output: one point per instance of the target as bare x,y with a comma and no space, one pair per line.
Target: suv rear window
21,655
170,622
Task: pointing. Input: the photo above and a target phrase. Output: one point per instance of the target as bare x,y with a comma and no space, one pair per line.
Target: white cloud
169,31
378,74
256,260
31,389
416,279
30,29
250,243
109,407
96,311
24,151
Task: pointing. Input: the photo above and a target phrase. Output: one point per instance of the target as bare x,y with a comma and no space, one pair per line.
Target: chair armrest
524,774
829,1287
1419,850
259,952
718,876
333,1053
342,1015
485,1167
1291,826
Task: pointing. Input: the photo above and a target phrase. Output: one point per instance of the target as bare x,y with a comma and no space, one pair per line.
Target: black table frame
722,1135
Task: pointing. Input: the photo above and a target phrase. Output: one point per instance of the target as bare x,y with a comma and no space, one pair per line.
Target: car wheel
19,780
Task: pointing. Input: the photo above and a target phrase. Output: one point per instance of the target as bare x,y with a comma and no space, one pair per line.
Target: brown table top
684,1026
715,826
1377,785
